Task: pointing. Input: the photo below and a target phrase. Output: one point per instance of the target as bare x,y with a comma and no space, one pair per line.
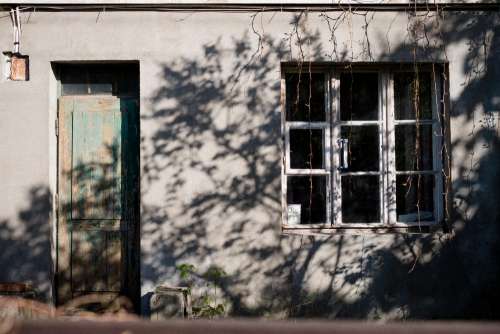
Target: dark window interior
305,97
363,147
414,198
120,79
359,96
412,95
310,193
360,199
306,148
409,155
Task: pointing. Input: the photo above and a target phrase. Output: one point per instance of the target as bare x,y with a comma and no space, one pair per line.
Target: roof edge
250,2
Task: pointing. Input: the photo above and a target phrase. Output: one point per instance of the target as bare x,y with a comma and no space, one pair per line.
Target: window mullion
382,156
390,151
335,117
436,148
287,147
284,145
328,150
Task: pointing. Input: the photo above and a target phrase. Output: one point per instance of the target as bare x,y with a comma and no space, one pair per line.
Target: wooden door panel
96,260
98,198
96,162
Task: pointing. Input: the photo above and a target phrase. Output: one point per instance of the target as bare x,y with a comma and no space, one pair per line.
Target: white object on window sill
293,214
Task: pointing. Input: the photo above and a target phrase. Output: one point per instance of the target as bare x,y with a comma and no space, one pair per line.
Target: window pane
75,89
414,198
101,81
306,148
306,197
74,81
412,97
358,96
363,147
409,155
302,92
360,199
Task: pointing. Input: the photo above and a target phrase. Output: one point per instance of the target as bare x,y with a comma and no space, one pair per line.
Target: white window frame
387,161
327,148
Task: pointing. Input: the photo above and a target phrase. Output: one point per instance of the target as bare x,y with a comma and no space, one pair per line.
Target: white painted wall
210,159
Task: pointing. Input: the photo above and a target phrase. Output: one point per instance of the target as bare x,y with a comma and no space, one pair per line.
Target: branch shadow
26,247
215,160
211,193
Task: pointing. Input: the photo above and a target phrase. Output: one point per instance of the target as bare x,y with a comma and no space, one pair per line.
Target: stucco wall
210,159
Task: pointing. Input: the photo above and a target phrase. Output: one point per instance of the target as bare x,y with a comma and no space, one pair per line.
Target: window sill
427,228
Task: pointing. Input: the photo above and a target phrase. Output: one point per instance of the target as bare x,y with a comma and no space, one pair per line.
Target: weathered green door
97,198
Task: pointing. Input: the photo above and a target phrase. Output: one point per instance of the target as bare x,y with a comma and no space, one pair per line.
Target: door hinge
56,126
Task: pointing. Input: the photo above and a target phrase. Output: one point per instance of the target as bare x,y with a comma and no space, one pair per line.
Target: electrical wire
335,6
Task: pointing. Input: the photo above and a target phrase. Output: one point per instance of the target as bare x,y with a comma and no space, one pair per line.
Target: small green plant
185,270
207,306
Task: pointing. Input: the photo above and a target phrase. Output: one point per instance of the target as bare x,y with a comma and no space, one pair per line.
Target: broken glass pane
358,96
412,96
409,155
414,198
306,195
360,199
305,97
363,147
306,148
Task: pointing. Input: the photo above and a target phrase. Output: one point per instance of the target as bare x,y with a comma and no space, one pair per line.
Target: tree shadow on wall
454,275
216,154
212,169
26,248
214,160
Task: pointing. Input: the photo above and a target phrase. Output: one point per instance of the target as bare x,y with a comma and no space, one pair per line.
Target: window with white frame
363,146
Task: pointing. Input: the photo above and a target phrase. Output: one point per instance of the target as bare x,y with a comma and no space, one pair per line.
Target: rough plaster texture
210,160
